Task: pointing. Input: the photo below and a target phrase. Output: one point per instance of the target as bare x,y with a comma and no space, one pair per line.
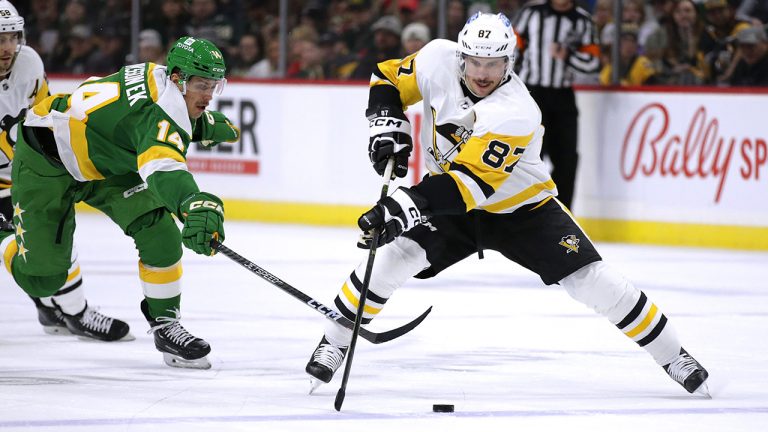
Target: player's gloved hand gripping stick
388,174
328,312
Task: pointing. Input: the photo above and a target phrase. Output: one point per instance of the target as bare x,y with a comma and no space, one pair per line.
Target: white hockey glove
390,137
393,215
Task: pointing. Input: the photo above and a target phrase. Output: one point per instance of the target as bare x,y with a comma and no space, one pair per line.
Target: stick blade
377,338
339,399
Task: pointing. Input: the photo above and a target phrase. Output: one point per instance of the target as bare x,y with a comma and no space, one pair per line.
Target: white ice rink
510,353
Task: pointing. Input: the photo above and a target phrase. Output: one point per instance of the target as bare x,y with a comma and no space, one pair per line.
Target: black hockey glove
203,216
393,215
390,137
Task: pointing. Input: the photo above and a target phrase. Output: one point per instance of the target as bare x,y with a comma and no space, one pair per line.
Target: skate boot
179,347
325,361
5,224
689,373
92,324
51,318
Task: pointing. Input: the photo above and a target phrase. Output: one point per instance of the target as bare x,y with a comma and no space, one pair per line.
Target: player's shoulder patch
28,65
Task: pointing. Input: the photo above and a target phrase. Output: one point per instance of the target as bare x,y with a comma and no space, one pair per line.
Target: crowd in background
663,42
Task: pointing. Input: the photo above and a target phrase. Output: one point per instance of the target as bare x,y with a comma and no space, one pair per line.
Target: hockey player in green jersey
22,85
119,143
487,188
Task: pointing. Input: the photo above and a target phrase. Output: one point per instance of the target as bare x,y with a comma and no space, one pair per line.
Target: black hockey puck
442,408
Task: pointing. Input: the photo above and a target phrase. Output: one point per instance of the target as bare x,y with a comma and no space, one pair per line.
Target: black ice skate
325,361
6,225
179,347
51,318
92,324
689,373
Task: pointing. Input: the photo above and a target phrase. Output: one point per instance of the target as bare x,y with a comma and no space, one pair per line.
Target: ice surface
510,353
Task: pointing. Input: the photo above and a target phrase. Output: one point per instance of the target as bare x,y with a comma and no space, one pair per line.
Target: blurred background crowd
661,42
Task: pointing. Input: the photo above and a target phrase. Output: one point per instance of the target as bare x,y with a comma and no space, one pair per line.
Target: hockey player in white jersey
22,85
487,188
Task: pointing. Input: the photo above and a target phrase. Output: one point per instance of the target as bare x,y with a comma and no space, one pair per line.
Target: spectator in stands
455,18
602,16
752,69
717,42
338,63
299,37
151,48
206,22
75,13
682,56
110,53
41,29
249,51
662,11
356,29
633,12
310,61
415,36
635,68
80,47
268,66
170,21
386,45
753,11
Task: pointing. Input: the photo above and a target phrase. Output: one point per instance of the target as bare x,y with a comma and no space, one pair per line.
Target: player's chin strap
388,172
331,314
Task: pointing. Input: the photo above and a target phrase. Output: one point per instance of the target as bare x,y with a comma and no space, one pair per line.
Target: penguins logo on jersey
571,243
454,134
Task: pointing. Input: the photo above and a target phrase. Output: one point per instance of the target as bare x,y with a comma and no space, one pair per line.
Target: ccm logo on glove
206,204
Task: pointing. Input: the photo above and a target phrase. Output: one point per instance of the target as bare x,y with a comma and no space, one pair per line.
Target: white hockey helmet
487,35
11,22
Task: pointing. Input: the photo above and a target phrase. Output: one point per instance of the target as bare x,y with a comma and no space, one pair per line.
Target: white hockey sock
70,298
608,293
395,263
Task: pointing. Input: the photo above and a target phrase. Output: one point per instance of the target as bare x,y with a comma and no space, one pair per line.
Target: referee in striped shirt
556,39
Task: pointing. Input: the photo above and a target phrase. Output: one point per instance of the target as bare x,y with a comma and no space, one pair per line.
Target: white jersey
490,147
22,88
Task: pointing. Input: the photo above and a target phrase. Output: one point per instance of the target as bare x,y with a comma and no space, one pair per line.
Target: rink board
663,167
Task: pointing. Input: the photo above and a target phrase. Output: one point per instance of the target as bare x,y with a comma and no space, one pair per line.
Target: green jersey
135,120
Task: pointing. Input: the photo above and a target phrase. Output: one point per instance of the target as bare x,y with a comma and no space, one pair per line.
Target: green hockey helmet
196,57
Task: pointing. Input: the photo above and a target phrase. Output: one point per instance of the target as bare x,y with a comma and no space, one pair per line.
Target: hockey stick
329,313
363,293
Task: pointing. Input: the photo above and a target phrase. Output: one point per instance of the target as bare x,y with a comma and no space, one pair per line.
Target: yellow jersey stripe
523,196
43,107
351,298
158,152
42,93
5,146
8,254
75,273
160,275
79,144
402,74
645,323
151,82
483,156
466,194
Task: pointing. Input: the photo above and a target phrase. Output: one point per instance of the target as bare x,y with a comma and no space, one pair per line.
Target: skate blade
56,330
703,390
127,338
314,384
179,362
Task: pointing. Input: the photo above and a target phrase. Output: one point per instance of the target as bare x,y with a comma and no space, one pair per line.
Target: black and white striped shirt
538,26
